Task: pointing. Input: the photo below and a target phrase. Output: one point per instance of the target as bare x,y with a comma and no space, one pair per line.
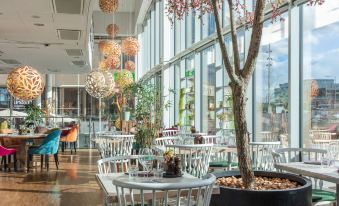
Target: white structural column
198,92
294,79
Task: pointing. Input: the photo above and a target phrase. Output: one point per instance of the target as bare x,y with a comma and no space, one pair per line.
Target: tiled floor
73,184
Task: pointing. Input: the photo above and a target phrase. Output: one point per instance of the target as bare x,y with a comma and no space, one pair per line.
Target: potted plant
148,111
222,117
239,80
34,115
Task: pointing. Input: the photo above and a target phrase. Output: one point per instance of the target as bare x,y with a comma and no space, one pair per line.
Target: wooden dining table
20,143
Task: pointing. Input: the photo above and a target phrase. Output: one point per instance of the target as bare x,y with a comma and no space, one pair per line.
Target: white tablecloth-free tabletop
329,174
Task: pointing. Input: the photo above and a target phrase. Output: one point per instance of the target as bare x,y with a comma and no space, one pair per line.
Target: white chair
261,154
117,164
167,133
197,192
321,135
286,155
163,141
211,139
269,136
113,145
194,158
160,143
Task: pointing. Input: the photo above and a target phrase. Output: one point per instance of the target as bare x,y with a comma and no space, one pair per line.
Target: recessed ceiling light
36,17
39,24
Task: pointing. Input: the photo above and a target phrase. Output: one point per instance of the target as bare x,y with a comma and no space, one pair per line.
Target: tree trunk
242,134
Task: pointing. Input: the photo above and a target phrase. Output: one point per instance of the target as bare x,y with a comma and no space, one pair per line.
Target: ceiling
54,36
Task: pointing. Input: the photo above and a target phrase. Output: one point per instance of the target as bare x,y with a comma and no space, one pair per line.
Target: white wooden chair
114,145
160,143
211,139
269,136
196,192
163,141
194,158
117,164
120,164
168,133
261,154
286,155
321,135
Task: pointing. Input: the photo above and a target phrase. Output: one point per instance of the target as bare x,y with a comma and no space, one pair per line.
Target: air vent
28,47
68,7
65,34
74,52
10,61
79,63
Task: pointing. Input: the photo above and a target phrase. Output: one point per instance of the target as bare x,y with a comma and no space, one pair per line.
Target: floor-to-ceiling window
208,78
320,63
271,83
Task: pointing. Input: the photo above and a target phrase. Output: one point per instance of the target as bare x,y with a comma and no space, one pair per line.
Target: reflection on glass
271,92
320,72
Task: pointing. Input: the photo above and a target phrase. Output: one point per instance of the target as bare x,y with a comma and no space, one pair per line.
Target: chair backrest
286,155
51,143
163,141
197,192
117,164
167,133
321,135
262,154
114,145
5,151
72,134
194,158
211,139
269,136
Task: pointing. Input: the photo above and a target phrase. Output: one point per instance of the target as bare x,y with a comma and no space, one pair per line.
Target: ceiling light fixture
25,83
130,46
112,62
108,6
99,84
124,78
110,48
112,30
130,65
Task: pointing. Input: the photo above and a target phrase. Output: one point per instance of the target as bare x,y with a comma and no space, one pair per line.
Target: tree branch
229,68
255,40
234,38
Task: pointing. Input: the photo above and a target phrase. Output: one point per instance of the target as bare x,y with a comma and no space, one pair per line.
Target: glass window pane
320,71
271,83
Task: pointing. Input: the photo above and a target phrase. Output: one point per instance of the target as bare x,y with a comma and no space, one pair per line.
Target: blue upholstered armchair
48,147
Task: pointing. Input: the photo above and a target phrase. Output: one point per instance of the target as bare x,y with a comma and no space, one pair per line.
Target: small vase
127,115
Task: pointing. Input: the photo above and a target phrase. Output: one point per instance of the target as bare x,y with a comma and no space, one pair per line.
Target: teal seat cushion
223,164
323,195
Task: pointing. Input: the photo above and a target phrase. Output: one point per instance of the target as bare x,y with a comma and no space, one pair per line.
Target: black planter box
301,196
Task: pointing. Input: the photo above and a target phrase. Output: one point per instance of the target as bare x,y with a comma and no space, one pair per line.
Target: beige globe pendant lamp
99,84
108,6
25,83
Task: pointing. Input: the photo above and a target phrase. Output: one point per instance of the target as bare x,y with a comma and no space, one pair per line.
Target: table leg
337,193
